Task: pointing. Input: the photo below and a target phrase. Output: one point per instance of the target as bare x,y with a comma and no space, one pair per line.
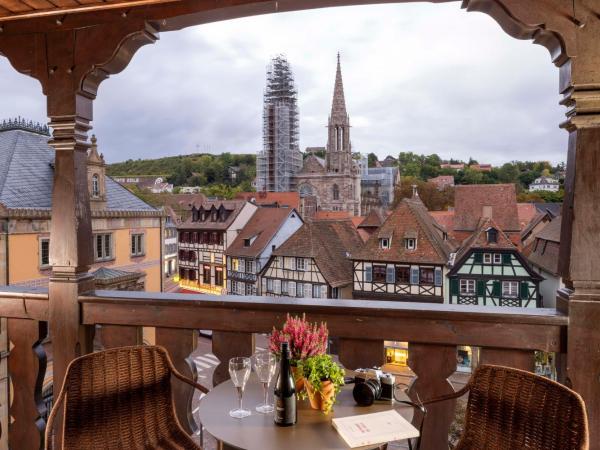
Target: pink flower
305,339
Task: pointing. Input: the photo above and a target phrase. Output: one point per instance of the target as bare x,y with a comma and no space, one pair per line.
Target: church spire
338,106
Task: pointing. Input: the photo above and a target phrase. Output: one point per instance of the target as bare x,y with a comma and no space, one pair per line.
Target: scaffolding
280,159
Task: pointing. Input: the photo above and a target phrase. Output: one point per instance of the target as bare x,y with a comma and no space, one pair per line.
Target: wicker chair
121,398
511,409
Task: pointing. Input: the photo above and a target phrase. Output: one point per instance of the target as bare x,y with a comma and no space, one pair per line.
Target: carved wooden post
433,364
180,344
226,345
26,367
580,236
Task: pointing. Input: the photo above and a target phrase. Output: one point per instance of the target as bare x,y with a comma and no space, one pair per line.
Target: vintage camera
371,385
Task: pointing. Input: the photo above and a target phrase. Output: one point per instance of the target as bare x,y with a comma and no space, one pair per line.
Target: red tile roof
444,218
442,181
526,212
332,215
474,201
373,220
263,225
409,219
287,199
331,243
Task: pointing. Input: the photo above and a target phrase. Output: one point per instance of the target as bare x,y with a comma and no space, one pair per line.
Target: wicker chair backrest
514,409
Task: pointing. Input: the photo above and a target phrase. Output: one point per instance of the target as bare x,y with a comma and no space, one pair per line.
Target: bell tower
339,152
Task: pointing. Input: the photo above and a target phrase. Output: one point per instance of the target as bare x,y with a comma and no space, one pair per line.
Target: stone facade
334,181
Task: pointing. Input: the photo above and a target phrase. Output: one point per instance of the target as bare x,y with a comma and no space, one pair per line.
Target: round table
258,432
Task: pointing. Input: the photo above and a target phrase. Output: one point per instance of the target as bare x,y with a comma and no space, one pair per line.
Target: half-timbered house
314,262
203,239
405,259
489,270
247,255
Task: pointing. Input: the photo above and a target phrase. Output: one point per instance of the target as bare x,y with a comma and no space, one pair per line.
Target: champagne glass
239,371
264,365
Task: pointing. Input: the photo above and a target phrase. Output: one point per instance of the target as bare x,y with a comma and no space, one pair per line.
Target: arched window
336,192
305,190
95,185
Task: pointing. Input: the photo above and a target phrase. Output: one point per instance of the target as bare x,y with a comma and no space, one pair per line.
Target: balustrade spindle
433,365
180,343
26,368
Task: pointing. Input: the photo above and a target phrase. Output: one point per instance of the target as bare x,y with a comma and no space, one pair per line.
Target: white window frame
467,287
270,285
510,289
384,243
43,264
316,291
103,256
497,258
137,244
411,244
487,258
301,264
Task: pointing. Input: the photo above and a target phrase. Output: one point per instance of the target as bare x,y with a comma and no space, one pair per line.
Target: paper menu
374,428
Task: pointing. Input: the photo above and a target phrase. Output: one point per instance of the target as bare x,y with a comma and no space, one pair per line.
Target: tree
433,199
372,157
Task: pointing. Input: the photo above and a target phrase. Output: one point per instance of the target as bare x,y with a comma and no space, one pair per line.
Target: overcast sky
418,77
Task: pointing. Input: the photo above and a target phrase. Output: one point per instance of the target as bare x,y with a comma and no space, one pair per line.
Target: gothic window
95,185
336,192
305,190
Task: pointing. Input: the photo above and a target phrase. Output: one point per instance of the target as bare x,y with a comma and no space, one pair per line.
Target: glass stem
266,390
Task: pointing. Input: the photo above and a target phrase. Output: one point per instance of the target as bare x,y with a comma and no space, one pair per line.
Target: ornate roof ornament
20,123
94,157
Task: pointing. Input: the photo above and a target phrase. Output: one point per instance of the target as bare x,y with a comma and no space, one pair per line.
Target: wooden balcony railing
506,336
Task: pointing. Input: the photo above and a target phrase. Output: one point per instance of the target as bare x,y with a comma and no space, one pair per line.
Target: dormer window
384,243
410,243
492,235
95,186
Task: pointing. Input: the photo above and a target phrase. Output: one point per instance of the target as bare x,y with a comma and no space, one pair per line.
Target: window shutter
478,256
264,285
497,289
277,286
454,286
480,287
506,257
292,288
438,276
292,263
414,275
307,290
390,274
324,291
368,273
524,290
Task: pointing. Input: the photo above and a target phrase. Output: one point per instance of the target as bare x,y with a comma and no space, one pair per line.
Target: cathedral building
334,181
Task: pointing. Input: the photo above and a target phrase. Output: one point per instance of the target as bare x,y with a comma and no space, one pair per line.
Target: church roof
27,175
338,105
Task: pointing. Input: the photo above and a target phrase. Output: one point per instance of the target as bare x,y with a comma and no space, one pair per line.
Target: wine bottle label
285,410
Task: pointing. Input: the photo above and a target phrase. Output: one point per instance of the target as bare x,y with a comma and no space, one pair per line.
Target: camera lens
366,393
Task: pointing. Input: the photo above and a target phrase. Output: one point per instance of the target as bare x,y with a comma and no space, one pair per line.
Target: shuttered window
480,287
307,290
277,286
506,258
368,273
299,290
316,291
438,276
414,275
454,286
390,275
323,291
524,290
478,257
292,288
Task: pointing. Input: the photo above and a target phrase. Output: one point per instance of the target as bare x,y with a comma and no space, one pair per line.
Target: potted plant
323,379
305,339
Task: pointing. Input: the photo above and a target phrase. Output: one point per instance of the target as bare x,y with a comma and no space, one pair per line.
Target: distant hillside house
405,259
314,262
442,182
389,161
546,184
247,255
127,232
203,239
453,166
481,167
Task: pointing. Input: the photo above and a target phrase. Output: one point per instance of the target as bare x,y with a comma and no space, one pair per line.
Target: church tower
339,152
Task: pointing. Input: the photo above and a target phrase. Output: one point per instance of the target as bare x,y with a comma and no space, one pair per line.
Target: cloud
417,77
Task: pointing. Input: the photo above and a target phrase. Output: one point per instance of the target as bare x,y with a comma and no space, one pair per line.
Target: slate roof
27,173
471,200
107,276
331,243
409,219
544,252
263,224
553,208
232,207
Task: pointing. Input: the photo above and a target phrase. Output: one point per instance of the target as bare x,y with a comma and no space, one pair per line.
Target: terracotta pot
298,379
322,399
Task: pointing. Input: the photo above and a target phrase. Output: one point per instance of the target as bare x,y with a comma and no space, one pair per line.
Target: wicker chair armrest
452,396
50,424
188,381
